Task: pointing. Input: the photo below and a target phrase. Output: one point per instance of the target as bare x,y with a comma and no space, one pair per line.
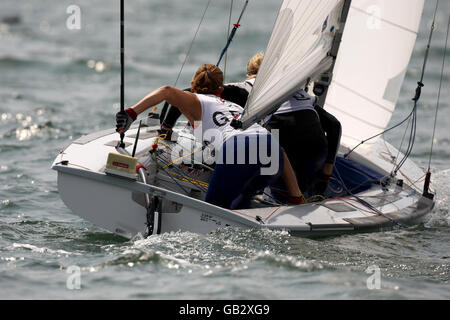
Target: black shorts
304,141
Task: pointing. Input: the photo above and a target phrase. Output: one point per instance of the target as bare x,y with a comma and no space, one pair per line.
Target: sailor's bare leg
290,179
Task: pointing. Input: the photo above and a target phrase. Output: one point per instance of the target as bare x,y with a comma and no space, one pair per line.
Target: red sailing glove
125,119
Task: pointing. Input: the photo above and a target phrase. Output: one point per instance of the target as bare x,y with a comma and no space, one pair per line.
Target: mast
122,66
321,86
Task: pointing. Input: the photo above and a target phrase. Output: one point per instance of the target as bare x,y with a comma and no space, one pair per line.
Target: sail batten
387,109
385,20
371,65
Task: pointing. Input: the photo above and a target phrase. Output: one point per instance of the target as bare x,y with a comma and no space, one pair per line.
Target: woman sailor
302,123
252,70
234,92
240,171
302,137
302,126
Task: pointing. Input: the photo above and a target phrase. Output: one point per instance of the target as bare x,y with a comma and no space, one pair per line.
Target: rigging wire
420,85
413,114
426,187
233,33
228,34
192,43
439,95
429,40
175,180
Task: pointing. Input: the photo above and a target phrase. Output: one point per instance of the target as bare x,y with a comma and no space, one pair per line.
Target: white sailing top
246,85
301,100
217,115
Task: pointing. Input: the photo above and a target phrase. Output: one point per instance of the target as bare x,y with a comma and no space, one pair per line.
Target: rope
180,173
173,179
394,160
377,135
192,43
185,156
368,205
413,183
181,176
412,139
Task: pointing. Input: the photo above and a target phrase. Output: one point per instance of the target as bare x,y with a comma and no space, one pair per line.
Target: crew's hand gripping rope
232,34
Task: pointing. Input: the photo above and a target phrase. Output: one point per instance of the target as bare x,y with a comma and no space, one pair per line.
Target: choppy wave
58,84
440,217
39,249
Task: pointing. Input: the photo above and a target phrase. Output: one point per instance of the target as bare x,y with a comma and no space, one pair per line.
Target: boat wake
225,250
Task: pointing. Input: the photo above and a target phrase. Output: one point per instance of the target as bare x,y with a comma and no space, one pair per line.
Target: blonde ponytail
253,65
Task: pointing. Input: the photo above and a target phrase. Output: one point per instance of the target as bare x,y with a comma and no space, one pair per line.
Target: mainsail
374,54
298,49
371,64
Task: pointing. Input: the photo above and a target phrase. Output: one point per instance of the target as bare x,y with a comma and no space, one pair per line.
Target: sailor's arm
171,113
187,102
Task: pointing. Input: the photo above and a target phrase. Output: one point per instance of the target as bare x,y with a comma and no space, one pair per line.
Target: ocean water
57,84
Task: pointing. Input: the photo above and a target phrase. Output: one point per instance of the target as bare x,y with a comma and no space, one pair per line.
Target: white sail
302,37
376,48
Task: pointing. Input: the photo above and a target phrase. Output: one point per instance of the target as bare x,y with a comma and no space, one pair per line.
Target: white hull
116,204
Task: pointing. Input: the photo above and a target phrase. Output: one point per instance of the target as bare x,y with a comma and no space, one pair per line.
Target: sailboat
357,58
